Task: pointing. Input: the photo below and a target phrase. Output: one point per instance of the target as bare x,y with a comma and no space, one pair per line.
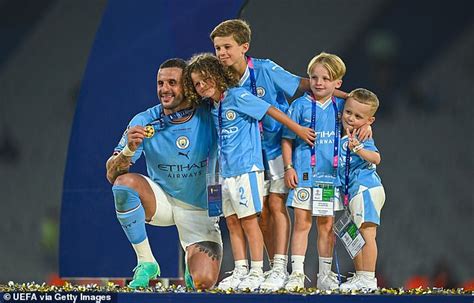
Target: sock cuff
369,274
239,263
296,258
256,264
280,257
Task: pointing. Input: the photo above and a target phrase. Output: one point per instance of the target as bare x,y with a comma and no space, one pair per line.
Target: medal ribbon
253,87
336,132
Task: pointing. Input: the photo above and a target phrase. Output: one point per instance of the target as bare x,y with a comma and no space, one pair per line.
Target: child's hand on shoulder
364,132
307,134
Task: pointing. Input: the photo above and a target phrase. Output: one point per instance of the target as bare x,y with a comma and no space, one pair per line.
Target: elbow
377,160
110,177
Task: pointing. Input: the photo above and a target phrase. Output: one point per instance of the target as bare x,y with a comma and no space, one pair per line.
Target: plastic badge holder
214,195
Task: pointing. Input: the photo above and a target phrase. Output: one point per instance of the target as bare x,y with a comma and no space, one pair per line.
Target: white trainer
295,281
327,281
232,281
275,280
359,282
252,281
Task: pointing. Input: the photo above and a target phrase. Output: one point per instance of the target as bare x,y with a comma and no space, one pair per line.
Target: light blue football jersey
176,156
362,174
273,83
300,112
241,149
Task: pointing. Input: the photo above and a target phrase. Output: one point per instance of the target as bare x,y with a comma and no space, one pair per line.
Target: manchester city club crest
182,142
230,115
260,92
303,195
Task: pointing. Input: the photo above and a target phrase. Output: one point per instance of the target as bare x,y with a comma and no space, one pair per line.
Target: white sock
241,263
367,274
143,251
280,261
325,264
256,265
297,263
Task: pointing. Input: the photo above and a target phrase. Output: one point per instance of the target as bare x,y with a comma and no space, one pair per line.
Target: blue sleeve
294,114
283,80
249,104
369,144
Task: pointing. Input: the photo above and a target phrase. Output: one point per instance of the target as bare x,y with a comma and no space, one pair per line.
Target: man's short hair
174,62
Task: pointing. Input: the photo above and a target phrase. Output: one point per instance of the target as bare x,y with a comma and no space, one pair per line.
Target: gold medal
149,131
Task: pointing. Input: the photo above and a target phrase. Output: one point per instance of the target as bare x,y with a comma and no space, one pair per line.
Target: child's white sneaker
295,281
232,281
327,281
359,282
252,281
275,280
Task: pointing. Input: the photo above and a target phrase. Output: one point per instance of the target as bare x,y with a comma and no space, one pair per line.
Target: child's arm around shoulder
307,134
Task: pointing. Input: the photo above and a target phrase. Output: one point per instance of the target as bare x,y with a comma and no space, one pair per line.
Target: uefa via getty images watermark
58,297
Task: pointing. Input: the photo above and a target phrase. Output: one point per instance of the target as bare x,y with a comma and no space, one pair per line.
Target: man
177,139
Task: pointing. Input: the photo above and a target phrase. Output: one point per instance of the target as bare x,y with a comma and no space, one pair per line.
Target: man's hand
135,136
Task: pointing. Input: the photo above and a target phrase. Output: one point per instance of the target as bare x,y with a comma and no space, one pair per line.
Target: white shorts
242,195
300,197
366,206
193,224
276,184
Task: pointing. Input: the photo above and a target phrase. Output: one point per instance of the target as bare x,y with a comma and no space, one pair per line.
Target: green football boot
144,272
188,280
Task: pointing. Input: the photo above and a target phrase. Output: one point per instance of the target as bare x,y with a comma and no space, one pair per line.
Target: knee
204,280
233,223
302,226
128,179
325,225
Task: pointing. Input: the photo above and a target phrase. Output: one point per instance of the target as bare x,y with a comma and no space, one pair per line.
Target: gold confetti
110,287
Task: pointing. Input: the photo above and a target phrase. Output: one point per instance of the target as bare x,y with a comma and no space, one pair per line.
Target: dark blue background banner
120,81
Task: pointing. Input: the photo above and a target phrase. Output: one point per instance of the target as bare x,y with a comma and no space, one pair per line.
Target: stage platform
205,297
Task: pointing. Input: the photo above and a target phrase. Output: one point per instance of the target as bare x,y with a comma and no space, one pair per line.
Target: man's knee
204,279
204,259
128,179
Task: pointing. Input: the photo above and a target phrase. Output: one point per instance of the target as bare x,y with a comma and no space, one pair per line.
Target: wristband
358,147
288,167
127,152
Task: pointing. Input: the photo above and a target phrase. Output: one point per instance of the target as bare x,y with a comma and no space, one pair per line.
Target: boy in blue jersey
363,186
236,113
308,168
177,140
270,82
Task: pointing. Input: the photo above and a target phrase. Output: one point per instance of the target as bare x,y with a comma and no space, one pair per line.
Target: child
236,113
306,167
270,82
315,167
362,184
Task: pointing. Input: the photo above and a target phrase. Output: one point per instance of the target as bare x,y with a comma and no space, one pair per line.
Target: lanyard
336,132
163,119
253,87
346,176
219,119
